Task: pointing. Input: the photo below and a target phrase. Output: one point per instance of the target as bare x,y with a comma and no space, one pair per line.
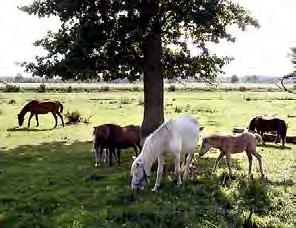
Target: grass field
48,179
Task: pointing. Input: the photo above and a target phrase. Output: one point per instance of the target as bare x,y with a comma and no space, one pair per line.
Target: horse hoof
97,165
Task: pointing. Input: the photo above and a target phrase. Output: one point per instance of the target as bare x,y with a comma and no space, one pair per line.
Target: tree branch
283,87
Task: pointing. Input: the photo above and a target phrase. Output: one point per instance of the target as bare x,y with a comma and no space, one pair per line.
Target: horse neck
150,153
24,111
215,143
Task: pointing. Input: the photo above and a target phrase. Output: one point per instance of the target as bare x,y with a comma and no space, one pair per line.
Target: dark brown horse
261,124
114,137
36,107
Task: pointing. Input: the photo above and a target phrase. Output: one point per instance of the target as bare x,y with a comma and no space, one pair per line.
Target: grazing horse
114,137
177,137
263,124
36,107
231,144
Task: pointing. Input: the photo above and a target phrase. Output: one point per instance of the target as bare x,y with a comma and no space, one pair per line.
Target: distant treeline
233,79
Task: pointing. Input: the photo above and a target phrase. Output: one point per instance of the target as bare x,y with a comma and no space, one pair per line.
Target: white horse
178,137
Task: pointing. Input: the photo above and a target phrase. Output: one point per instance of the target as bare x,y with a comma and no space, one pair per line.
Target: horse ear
134,157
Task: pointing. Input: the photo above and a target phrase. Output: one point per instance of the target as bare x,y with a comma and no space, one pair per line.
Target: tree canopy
106,37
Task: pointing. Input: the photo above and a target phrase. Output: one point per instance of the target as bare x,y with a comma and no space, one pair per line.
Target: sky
263,51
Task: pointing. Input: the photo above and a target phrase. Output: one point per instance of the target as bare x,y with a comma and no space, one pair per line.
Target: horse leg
258,156
111,153
177,169
228,162
217,161
118,155
97,156
56,119
36,116
61,117
283,141
29,120
250,162
187,164
159,172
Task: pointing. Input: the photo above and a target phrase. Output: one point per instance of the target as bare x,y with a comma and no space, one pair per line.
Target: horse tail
61,106
284,130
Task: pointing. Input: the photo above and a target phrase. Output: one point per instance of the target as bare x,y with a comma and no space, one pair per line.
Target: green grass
48,177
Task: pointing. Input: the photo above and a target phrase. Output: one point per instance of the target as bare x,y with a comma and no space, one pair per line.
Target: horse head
20,119
205,146
139,175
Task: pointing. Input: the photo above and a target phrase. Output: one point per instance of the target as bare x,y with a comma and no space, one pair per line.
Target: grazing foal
230,144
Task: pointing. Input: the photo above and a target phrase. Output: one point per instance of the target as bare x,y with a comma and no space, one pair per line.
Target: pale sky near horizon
263,51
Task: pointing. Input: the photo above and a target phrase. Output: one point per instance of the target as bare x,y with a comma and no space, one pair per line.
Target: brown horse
261,124
36,107
114,137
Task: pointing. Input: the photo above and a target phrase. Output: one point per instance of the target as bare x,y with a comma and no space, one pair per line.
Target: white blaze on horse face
138,175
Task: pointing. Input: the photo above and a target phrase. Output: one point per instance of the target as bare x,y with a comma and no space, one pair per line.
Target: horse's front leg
228,161
36,116
29,120
187,164
177,169
159,172
217,161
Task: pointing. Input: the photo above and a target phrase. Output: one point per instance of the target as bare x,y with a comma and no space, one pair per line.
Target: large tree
129,38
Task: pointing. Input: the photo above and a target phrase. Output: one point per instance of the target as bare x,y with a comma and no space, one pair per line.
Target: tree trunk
153,85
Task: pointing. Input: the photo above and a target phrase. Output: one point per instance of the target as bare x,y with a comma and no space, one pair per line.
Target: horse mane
26,107
148,154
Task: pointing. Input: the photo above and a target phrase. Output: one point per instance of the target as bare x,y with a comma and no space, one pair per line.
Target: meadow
48,178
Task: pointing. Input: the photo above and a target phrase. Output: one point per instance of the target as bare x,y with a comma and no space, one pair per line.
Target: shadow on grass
56,185
274,146
27,129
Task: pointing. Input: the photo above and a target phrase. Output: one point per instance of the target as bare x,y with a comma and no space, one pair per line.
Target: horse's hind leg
187,164
56,119
258,156
61,117
250,162
36,116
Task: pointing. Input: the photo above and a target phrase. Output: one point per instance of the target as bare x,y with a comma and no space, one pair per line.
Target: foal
231,144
